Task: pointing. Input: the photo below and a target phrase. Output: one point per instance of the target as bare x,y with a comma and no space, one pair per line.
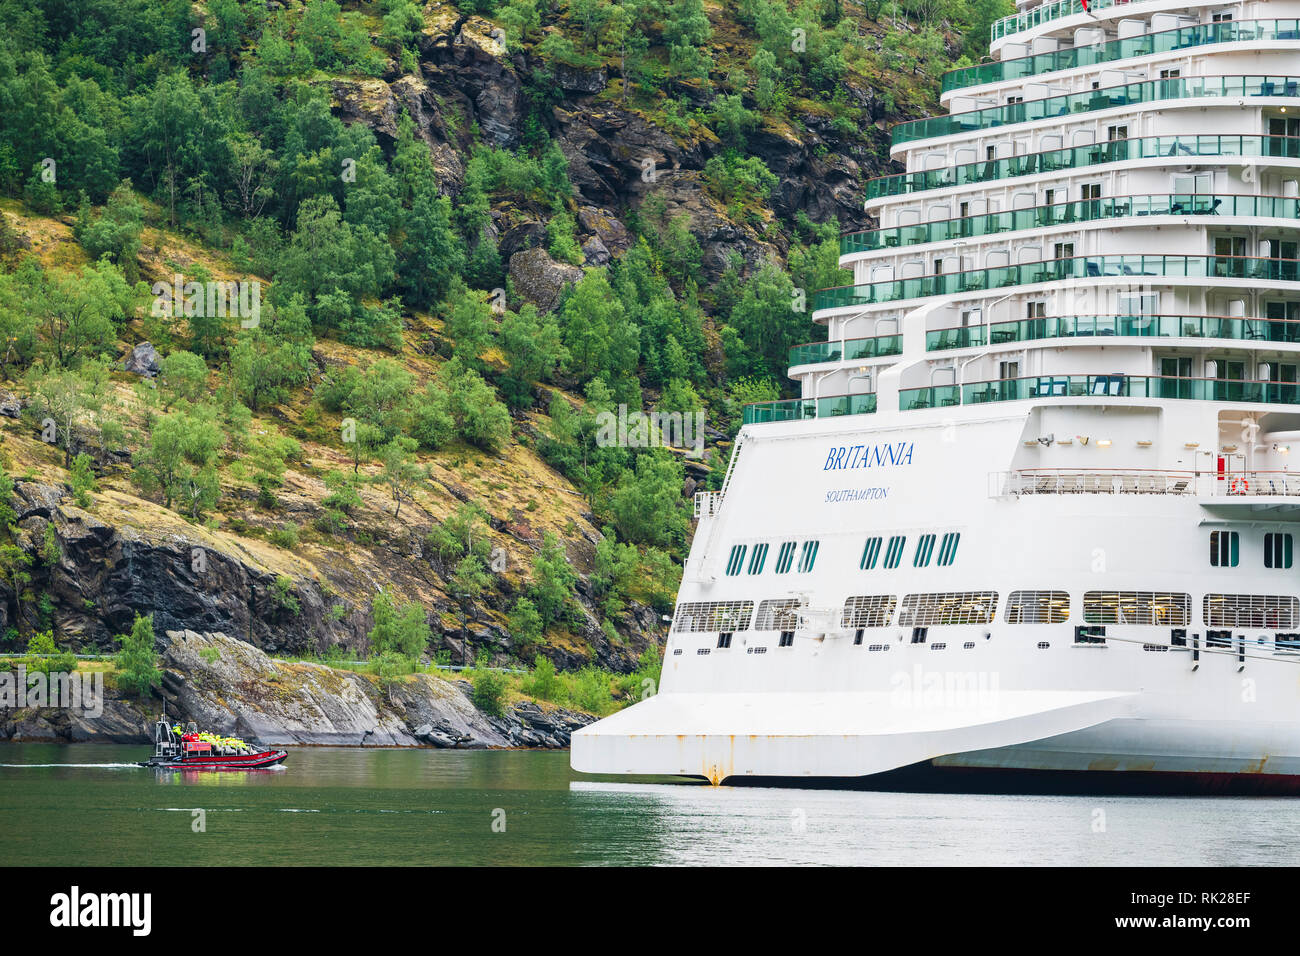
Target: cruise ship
1033,516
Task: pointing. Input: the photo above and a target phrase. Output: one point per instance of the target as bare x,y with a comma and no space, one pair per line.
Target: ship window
948,548
808,556
736,560
1277,551
1223,549
1137,607
757,559
894,553
868,610
785,558
924,548
787,639
1251,610
919,634
1218,638
1038,607
869,554
781,614
857,637
724,639
703,616
1221,16
948,607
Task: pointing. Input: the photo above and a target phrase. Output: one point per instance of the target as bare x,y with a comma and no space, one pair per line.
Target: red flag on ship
1085,6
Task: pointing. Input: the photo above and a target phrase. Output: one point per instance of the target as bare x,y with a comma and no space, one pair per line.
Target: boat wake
104,766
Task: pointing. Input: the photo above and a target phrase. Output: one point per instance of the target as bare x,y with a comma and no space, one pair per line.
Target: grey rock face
143,360
539,278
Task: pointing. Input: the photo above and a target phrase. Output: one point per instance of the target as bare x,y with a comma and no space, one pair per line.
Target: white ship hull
1034,510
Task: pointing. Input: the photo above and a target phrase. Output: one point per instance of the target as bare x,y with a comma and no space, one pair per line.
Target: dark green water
86,804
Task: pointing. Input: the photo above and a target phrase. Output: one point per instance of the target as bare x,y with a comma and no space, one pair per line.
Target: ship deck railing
1074,213
796,409
1234,485
1107,97
1057,270
1246,328
1164,41
1102,386
1090,154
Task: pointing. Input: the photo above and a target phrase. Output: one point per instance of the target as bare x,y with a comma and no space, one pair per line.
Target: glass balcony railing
1160,326
1147,91
1094,154
795,409
1130,386
1045,13
1055,270
847,349
1067,213
936,396
1231,31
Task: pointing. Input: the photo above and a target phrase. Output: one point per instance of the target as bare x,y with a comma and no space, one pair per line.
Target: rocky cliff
229,687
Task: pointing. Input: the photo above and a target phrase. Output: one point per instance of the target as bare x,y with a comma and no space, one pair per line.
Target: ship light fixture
1191,444
1103,442
1142,443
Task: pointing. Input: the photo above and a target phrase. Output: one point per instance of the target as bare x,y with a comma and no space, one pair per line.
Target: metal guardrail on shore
15,655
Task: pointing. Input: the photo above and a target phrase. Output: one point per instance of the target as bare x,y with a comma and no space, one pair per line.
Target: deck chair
1045,485
1070,485
1128,484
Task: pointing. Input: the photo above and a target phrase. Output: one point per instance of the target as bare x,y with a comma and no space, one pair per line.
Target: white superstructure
1034,509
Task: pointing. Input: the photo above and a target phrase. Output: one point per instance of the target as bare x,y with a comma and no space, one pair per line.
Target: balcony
1072,213
1056,270
846,349
1102,387
1147,91
1231,487
1075,157
934,396
1019,22
796,409
1084,326
1166,41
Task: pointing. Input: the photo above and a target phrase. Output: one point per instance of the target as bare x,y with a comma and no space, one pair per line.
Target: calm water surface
75,804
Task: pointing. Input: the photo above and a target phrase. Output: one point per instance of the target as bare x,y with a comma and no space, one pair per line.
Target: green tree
400,629
83,480
647,505
470,323
178,460
526,625
137,661
183,375
400,471
554,580
533,347
116,231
